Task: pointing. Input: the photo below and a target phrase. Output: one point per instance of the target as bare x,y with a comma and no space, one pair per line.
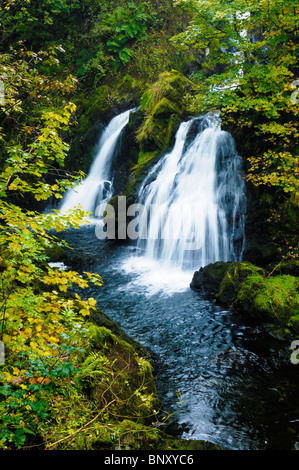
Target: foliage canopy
249,60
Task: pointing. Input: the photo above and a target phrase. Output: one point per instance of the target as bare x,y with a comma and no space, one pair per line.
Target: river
219,377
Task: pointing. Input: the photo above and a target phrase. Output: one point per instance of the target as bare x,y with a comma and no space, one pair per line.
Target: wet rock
208,279
248,290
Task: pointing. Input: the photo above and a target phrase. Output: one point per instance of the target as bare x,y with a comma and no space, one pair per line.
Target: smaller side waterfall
97,187
194,199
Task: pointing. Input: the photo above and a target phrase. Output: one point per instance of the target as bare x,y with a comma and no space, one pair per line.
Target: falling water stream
235,383
97,187
194,199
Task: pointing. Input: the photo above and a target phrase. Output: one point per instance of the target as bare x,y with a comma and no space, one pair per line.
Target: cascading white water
97,187
194,199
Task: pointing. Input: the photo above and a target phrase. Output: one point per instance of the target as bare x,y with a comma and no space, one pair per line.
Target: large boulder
250,291
223,279
271,299
126,380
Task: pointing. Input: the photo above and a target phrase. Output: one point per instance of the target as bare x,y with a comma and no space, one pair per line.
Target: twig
82,427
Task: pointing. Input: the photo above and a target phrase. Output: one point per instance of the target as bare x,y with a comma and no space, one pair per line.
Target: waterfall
194,199
97,187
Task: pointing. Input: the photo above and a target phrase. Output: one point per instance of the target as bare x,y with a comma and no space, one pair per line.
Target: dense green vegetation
65,66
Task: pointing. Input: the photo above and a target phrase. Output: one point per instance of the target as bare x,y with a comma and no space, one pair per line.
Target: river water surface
236,385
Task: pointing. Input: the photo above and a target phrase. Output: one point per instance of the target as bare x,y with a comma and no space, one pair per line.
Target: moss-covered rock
113,389
113,373
248,290
102,320
208,279
274,299
164,107
234,276
223,279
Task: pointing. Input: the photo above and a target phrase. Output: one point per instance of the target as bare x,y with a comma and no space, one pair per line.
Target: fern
94,365
128,24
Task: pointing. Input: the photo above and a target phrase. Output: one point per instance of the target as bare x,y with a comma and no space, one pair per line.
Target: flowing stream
237,385
219,377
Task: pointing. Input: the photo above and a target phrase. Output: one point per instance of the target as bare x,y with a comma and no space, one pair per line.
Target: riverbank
112,402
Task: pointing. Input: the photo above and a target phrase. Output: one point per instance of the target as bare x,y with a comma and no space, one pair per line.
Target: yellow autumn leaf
63,288
84,312
92,301
53,339
8,377
28,332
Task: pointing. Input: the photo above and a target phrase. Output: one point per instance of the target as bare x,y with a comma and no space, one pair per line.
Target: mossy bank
111,401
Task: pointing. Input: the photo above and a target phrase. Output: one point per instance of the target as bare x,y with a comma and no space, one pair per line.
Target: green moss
140,170
245,296
164,107
171,85
99,336
277,298
102,320
293,323
209,277
235,275
126,380
245,288
144,158
156,133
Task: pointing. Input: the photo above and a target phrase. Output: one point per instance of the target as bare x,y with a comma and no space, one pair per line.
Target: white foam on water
155,276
